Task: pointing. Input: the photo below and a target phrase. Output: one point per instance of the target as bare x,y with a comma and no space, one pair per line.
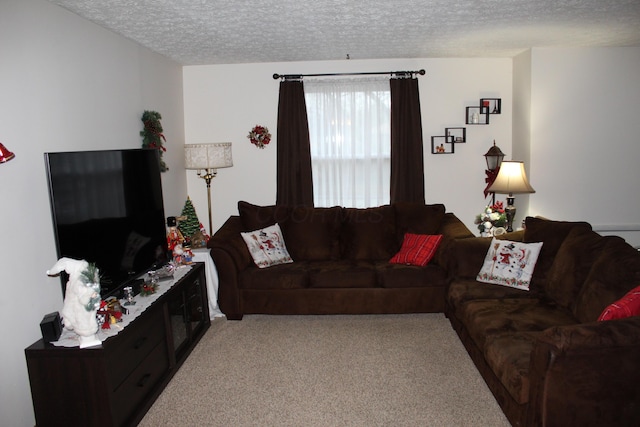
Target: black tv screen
107,209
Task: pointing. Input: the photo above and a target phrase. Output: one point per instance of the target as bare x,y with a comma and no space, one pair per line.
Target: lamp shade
5,154
512,179
208,156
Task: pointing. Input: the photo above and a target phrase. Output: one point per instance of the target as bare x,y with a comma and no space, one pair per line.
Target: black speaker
51,327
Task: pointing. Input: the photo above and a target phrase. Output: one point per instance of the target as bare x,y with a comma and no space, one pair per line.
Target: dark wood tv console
115,384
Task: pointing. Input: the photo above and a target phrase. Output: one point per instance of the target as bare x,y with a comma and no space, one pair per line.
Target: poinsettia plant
492,216
259,136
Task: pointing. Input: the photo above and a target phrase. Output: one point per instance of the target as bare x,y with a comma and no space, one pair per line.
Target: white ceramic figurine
82,298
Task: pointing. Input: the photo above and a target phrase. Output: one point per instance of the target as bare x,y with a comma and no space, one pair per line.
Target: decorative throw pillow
627,306
267,246
417,249
510,263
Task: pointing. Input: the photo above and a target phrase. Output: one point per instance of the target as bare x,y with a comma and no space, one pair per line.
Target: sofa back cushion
255,217
417,218
552,234
369,234
571,265
614,273
312,234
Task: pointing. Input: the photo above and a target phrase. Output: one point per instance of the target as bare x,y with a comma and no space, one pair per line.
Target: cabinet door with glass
188,311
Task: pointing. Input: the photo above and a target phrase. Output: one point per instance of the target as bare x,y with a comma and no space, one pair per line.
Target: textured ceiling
195,32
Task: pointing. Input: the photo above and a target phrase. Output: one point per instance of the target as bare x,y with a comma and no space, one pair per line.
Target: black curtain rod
300,76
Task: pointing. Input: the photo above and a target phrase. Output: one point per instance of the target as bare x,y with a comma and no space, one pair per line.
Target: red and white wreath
259,136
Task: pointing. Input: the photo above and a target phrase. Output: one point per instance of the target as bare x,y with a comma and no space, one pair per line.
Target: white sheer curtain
350,133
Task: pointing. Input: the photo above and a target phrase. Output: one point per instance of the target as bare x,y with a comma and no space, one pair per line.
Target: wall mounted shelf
442,145
477,116
458,135
491,105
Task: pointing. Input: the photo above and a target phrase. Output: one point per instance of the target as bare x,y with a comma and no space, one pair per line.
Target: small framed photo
477,116
457,135
491,105
442,145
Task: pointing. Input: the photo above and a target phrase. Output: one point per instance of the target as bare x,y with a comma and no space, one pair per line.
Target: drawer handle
143,380
139,343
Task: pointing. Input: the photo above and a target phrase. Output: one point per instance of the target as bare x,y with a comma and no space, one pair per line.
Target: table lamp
512,179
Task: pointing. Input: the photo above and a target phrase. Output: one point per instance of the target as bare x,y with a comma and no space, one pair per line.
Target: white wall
522,126
585,148
223,102
66,84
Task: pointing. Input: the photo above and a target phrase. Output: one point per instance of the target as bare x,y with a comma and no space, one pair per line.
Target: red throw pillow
627,306
417,249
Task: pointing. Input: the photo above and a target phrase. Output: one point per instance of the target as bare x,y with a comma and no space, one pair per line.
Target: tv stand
116,383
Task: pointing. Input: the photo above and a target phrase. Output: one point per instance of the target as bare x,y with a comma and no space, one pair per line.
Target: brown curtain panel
294,179
407,163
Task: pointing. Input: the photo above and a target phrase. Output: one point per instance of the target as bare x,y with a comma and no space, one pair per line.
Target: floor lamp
511,179
207,159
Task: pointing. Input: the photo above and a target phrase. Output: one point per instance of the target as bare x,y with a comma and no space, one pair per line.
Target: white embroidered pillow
510,263
267,246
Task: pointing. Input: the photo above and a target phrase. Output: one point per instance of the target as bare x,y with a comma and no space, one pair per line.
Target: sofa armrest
586,374
229,240
466,256
451,229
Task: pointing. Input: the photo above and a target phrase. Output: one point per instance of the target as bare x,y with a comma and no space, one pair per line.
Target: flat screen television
107,208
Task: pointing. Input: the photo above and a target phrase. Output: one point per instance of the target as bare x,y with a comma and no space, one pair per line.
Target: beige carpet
374,370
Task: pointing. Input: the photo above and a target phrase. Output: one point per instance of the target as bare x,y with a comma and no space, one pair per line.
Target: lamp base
510,210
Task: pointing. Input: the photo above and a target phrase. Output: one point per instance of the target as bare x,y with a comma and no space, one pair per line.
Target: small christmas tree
190,224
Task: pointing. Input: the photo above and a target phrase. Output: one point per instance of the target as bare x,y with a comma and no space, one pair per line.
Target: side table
211,273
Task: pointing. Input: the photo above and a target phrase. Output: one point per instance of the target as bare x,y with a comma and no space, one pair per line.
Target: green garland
152,136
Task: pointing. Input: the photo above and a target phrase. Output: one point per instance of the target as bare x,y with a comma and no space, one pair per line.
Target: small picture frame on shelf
491,105
442,145
457,135
477,116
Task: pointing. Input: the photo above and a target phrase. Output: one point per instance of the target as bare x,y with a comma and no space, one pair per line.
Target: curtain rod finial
276,76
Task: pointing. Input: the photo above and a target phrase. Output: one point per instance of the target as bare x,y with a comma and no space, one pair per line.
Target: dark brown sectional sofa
543,353
341,261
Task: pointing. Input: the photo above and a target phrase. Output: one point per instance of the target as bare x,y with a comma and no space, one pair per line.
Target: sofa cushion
255,217
312,234
552,234
266,246
571,265
509,263
627,306
614,273
342,274
417,218
417,249
509,355
463,290
484,318
283,276
369,234
410,276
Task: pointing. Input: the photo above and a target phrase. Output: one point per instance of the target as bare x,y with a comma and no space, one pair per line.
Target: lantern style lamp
5,154
511,179
207,159
494,159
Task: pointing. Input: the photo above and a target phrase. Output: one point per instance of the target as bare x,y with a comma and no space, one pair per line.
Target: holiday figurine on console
174,236
81,300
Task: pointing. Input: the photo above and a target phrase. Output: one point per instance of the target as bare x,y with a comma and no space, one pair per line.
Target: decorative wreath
152,136
259,136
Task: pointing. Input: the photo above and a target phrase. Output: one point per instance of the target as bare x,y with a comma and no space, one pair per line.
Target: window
350,135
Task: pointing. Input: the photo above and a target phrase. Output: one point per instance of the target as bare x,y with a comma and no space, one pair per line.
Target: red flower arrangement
110,312
259,136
